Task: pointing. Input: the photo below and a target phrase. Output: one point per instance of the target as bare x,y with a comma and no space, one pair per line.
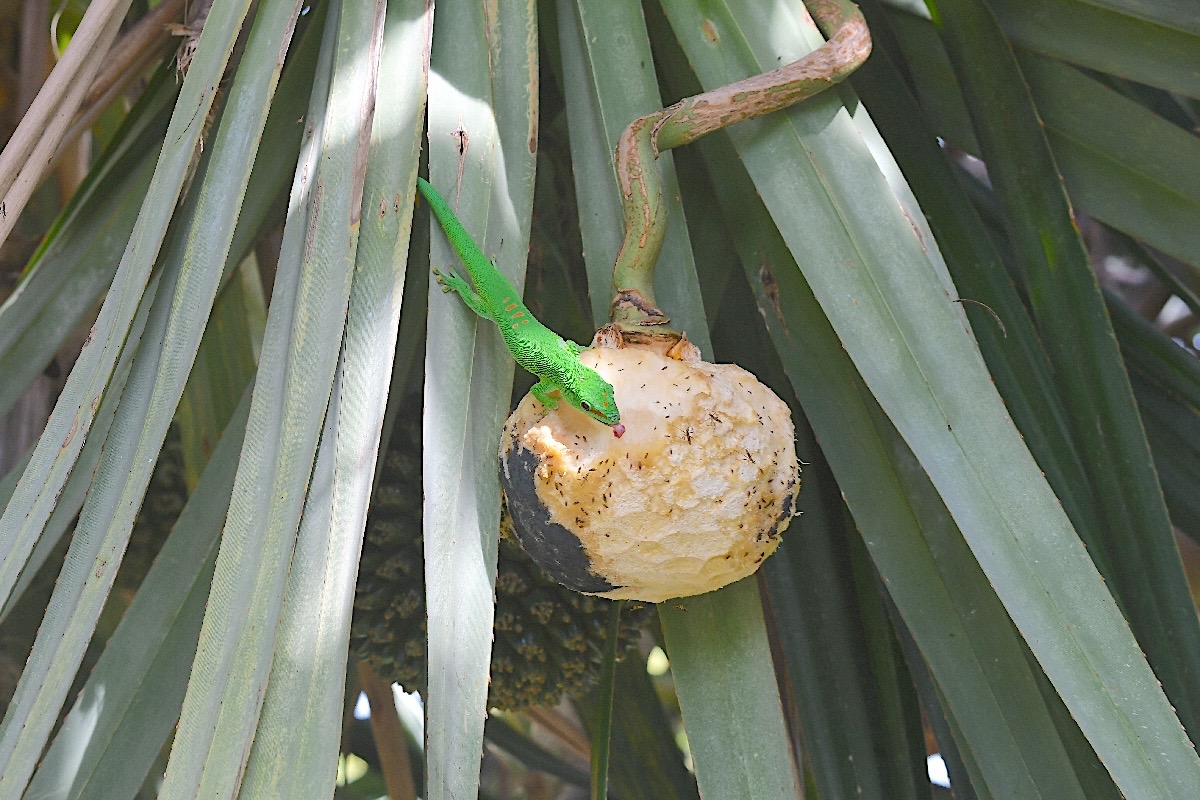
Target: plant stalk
602,729
638,175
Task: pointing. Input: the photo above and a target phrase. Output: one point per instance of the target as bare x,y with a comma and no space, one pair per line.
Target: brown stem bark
638,174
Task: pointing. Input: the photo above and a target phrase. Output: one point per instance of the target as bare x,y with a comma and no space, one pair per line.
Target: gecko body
554,360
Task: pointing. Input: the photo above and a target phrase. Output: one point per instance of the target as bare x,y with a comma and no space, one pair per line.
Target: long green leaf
736,732
967,781
1007,337
75,411
1154,354
296,747
901,730
602,705
75,490
1164,363
917,49
408,367
127,737
291,394
1177,14
646,763
1069,309
1124,164
63,635
1150,42
1174,431
1086,33
163,361
129,705
856,725
1166,383
482,142
963,632
873,278
266,182
225,362
853,734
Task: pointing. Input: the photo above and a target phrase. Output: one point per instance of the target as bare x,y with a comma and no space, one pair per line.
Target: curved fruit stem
638,174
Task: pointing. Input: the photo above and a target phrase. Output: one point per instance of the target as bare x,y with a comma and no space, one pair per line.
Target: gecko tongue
618,430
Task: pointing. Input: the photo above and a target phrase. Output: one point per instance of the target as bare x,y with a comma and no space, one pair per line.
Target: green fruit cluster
548,640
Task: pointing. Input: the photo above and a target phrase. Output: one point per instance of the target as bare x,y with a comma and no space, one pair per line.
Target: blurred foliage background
972,270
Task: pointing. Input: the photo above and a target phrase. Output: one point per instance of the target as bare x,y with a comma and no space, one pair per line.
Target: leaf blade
291,395
58,449
944,405
482,123
129,705
963,633
296,746
1069,309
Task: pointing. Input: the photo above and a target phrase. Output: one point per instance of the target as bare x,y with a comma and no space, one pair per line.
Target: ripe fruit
693,497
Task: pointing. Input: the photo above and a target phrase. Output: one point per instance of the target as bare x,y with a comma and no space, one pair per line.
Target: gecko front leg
545,393
451,281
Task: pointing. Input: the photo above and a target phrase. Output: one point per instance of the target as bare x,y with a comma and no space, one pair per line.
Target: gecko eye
585,405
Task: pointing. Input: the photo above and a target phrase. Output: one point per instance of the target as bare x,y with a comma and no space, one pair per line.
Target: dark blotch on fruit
789,501
553,547
785,514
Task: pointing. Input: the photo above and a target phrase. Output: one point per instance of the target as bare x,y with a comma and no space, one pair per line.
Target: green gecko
554,360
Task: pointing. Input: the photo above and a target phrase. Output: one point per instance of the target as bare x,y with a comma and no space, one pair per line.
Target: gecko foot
437,274
450,281
545,393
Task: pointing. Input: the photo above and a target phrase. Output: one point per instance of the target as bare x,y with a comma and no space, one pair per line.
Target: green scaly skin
534,346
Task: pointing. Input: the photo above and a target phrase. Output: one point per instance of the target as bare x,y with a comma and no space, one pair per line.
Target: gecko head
593,395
